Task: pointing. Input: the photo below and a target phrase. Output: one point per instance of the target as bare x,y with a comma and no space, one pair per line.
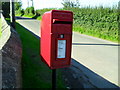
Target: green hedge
19,12
99,21
29,11
42,11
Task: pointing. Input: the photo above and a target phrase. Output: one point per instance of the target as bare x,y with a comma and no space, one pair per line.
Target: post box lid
62,15
66,11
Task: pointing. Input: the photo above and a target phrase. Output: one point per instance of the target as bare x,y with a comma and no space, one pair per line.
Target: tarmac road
100,56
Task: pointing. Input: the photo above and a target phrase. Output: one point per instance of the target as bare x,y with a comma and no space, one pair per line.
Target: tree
18,5
70,4
29,11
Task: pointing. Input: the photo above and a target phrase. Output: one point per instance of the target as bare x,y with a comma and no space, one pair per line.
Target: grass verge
31,16
35,74
111,36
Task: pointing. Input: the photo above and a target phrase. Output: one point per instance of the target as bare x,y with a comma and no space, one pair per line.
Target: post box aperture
56,38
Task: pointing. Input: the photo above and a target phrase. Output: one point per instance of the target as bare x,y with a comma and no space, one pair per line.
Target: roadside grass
31,16
35,74
39,18
96,33
8,19
17,14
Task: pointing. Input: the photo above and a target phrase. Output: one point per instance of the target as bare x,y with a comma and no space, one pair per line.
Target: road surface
98,55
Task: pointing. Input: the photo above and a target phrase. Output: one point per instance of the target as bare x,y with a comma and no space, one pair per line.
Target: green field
35,74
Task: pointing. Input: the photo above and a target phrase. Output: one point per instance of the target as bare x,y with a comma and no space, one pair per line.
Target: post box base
59,67
53,67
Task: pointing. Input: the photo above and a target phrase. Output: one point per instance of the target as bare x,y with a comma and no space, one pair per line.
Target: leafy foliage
70,4
18,10
99,21
42,11
18,5
29,11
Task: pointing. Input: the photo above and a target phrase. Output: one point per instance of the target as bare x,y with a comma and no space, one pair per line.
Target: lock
62,36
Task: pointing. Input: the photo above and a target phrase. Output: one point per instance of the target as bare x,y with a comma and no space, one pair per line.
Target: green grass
39,18
108,35
31,16
8,20
35,74
17,14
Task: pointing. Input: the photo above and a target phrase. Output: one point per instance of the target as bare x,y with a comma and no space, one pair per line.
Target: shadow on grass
36,16
35,74
23,18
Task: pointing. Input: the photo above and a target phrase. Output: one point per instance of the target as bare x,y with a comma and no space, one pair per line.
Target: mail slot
56,38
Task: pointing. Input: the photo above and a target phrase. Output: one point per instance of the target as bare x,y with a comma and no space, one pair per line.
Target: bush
42,11
100,21
20,12
29,11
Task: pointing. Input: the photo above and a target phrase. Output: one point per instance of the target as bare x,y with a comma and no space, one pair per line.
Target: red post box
56,38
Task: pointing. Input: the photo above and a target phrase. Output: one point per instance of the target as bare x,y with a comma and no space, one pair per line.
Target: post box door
62,36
